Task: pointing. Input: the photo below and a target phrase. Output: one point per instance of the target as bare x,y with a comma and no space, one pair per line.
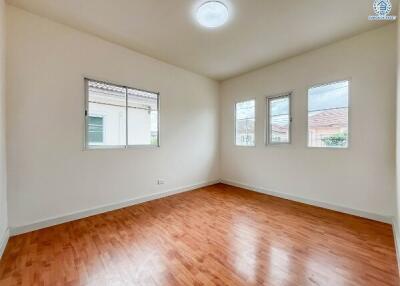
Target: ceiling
259,32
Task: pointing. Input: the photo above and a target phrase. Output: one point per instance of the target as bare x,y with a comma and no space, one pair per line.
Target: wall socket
160,182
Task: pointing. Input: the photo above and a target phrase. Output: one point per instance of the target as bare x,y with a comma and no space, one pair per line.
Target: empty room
199,142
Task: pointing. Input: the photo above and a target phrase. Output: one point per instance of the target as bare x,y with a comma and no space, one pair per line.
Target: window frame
255,122
88,147
349,80
268,132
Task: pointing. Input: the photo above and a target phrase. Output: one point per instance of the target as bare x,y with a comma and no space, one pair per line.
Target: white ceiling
260,32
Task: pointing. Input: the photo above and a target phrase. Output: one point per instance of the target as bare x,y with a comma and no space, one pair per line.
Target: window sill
130,147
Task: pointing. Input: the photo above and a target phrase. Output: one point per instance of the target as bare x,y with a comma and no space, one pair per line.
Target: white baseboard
396,235
15,230
3,241
325,205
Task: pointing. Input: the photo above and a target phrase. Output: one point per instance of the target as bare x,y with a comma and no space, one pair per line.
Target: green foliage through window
337,140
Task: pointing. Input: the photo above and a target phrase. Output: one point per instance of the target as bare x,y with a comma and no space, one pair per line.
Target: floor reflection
245,247
279,266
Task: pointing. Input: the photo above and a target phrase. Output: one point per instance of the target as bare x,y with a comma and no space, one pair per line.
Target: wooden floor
219,235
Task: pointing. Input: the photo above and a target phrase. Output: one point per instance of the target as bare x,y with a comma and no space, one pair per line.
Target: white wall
3,183
49,173
396,219
360,178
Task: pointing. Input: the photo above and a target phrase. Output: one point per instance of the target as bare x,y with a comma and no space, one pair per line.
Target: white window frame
268,118
349,80
126,146
255,122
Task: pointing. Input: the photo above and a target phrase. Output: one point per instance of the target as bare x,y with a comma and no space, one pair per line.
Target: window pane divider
126,118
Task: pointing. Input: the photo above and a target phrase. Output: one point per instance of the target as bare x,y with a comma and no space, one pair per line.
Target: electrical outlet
160,182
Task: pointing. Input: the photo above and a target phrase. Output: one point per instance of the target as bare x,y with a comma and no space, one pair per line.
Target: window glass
117,116
108,102
279,119
328,111
245,123
142,117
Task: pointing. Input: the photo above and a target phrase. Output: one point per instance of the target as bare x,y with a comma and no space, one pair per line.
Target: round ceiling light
212,14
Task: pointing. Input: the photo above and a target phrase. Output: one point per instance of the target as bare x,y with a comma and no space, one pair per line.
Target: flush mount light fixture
212,14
